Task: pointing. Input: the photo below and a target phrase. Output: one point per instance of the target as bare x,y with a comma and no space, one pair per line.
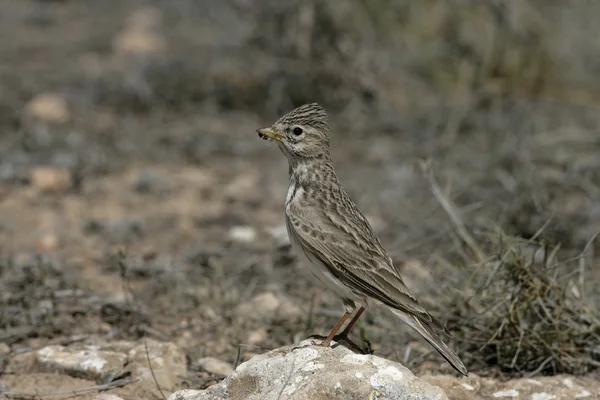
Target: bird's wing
343,240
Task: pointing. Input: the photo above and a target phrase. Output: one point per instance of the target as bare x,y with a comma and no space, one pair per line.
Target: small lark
334,239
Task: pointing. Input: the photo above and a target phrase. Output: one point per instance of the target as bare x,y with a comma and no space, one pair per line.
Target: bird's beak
269,133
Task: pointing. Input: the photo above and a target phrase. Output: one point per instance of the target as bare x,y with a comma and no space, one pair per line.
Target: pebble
213,365
139,42
243,187
48,107
267,305
280,235
47,243
106,396
257,336
50,178
4,349
242,234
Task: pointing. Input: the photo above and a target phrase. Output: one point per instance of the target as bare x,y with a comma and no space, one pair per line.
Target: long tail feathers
431,336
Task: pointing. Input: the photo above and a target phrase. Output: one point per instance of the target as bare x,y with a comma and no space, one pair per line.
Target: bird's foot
343,338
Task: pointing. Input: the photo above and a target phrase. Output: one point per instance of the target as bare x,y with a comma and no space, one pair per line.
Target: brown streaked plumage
334,239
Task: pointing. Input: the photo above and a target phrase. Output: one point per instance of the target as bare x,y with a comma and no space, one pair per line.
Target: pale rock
257,336
542,396
506,393
280,235
583,394
474,387
47,178
242,234
47,243
104,361
106,396
268,306
139,42
213,365
4,349
168,362
48,107
243,187
306,371
82,361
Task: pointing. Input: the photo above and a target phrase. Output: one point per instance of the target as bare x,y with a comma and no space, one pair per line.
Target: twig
452,212
134,306
152,369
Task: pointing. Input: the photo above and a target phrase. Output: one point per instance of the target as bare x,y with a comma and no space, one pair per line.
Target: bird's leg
344,335
346,330
337,327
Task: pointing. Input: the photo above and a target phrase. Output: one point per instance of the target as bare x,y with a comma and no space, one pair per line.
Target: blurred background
132,180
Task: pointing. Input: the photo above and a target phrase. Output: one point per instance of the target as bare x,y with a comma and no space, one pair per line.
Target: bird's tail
428,332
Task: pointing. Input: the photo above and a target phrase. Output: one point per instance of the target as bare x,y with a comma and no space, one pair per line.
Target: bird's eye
297,131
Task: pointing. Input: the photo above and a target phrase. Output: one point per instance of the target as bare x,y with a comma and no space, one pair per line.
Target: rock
474,387
47,243
139,42
306,371
257,336
280,235
267,306
213,365
168,363
48,107
4,349
141,35
49,178
242,234
81,361
103,362
244,187
106,396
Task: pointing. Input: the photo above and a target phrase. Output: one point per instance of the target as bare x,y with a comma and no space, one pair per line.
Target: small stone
87,361
568,383
106,396
243,187
139,42
257,336
242,234
266,301
45,307
4,349
47,243
213,365
280,235
169,363
48,107
541,396
266,306
49,178
506,393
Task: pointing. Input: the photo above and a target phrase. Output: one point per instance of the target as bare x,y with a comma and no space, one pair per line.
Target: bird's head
301,133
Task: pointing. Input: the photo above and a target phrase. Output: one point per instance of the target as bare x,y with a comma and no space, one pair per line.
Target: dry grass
521,312
521,308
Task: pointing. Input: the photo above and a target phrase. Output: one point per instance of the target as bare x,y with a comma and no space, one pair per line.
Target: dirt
154,162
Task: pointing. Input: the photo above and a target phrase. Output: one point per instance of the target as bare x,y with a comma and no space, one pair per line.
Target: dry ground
164,167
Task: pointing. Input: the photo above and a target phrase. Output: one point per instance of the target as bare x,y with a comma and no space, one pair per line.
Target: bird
333,238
